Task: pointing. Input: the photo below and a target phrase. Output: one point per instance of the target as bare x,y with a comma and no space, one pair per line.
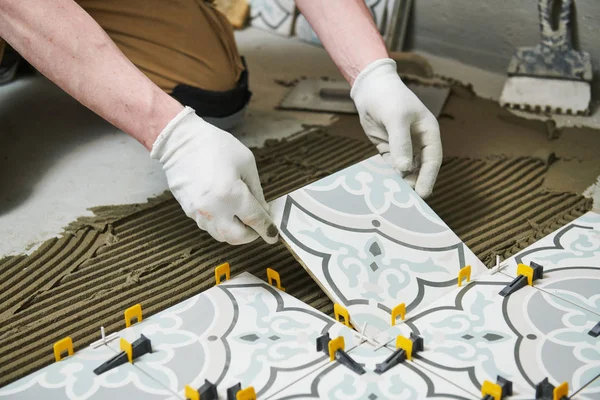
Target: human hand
214,178
404,131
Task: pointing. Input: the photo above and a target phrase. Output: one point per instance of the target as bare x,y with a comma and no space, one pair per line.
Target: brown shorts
186,47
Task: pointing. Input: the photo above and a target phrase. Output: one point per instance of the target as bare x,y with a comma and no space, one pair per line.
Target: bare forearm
66,45
347,30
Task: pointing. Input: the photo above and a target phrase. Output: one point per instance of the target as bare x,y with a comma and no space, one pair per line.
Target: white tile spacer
498,267
361,334
105,339
362,338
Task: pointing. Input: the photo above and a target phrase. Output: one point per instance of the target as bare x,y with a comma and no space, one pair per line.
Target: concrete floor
58,159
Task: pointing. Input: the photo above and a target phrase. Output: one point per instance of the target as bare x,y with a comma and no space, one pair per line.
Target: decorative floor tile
571,260
473,334
590,392
405,381
371,242
243,330
273,15
73,378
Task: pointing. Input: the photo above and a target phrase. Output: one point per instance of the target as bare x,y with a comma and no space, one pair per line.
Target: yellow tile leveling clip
127,348
246,394
221,270
131,313
273,275
526,275
496,391
398,311
63,345
340,311
464,273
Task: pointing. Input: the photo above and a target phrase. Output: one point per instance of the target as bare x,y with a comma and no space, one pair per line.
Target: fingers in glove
232,231
211,229
431,157
252,214
400,145
252,180
383,147
411,179
235,232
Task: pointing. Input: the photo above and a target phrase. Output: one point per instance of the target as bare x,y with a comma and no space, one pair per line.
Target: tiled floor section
73,378
405,381
473,334
571,260
243,330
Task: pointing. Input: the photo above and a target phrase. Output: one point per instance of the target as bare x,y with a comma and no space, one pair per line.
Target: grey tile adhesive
154,255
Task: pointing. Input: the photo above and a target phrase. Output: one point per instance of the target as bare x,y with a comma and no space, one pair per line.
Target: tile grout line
579,306
148,375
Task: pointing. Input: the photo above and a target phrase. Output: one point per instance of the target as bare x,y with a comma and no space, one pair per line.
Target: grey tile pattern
371,242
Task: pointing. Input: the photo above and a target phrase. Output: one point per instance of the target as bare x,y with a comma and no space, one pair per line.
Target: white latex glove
404,131
214,178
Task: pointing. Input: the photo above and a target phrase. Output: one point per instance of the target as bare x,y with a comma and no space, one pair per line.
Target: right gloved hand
214,178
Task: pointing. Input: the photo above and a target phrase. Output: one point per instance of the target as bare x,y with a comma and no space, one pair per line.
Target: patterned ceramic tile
571,260
243,330
474,334
73,378
405,381
273,15
371,242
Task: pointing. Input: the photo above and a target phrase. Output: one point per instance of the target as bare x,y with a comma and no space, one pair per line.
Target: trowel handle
561,37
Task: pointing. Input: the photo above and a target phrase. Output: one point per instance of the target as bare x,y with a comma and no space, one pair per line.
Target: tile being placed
371,242
571,260
73,378
241,331
473,334
405,381
273,15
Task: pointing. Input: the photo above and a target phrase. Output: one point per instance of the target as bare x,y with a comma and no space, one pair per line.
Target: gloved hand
214,178
404,131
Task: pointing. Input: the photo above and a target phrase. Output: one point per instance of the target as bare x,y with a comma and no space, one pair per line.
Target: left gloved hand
404,131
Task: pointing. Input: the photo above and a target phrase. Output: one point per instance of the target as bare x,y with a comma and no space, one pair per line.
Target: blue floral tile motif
571,260
243,330
73,378
473,334
372,242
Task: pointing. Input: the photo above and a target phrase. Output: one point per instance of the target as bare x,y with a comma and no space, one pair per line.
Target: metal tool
552,76
334,96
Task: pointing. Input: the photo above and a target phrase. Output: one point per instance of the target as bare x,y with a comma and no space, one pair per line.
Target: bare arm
404,131
66,45
347,30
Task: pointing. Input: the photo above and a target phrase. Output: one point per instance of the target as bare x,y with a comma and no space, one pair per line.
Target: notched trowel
326,95
334,96
552,76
